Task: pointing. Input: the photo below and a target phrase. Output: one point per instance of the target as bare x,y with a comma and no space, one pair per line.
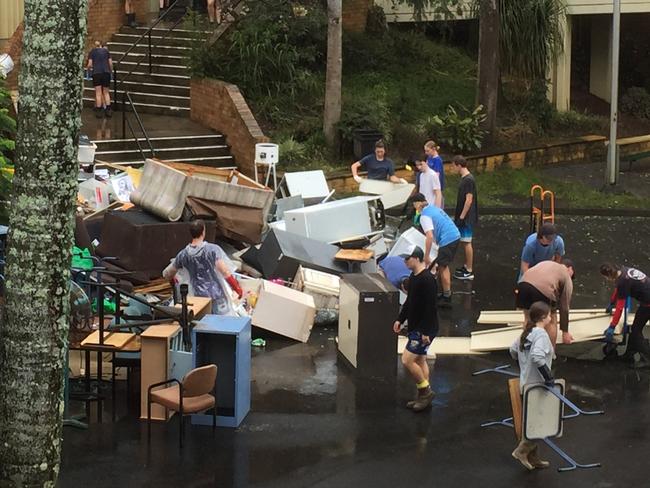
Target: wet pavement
313,424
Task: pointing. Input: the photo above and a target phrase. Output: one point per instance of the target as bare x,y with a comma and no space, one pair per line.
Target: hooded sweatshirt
537,352
200,261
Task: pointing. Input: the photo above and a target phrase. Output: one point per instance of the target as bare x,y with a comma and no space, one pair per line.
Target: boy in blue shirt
378,166
545,245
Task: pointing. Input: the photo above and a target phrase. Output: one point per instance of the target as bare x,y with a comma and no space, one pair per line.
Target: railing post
115,85
150,67
124,115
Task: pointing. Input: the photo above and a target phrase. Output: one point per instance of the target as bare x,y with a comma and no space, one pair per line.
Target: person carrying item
551,283
378,166
395,270
207,265
629,282
420,314
429,183
101,64
437,226
534,353
545,245
466,216
434,161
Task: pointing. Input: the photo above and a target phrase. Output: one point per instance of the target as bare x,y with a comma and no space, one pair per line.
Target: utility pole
611,175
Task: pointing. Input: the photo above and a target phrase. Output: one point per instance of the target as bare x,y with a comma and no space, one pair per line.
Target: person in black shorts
420,314
630,282
101,64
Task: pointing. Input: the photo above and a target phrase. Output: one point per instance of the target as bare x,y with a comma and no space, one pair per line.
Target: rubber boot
521,453
132,22
533,458
424,400
412,403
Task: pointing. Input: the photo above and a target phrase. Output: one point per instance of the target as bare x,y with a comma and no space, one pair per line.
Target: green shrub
459,131
572,121
370,110
376,24
636,101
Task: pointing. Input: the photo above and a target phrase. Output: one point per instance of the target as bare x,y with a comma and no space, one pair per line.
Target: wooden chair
196,393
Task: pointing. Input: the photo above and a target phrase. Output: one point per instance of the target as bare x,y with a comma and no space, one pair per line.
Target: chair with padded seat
195,394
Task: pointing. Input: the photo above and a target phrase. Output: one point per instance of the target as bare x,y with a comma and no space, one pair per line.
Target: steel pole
612,161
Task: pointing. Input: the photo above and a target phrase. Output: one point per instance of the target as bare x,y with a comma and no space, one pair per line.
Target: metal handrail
147,33
125,120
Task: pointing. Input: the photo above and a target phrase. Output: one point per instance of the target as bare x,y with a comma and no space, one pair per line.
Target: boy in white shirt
429,183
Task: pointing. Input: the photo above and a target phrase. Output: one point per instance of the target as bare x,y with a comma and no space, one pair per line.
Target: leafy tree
34,325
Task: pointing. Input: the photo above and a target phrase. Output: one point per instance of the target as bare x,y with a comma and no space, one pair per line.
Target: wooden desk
354,257
199,305
117,340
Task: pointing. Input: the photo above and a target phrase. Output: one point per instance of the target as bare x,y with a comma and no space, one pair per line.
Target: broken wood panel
443,346
517,316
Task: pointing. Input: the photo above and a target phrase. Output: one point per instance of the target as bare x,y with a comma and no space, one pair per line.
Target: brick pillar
355,14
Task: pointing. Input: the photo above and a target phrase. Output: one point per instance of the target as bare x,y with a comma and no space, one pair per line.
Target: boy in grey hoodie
534,352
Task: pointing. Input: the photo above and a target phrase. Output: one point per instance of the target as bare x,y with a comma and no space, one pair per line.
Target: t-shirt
429,182
534,252
377,170
633,283
466,187
394,269
436,164
200,261
100,56
444,230
420,305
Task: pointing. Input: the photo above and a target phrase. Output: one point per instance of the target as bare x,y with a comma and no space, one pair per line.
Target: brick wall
355,13
222,107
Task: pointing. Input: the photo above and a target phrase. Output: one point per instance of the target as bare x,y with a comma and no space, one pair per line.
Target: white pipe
612,163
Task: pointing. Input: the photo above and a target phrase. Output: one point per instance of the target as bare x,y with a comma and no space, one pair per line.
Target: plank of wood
117,340
517,316
360,255
515,404
199,305
443,346
502,338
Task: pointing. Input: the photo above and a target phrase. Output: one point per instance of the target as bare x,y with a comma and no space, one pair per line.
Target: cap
417,253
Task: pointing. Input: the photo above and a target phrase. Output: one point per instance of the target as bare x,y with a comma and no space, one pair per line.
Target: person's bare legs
469,255
412,364
99,99
211,10
445,278
128,7
424,366
106,96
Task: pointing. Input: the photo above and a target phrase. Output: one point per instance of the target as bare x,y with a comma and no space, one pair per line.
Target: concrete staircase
160,98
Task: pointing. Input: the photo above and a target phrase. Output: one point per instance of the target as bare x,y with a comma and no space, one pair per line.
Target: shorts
466,233
415,344
447,253
102,79
527,294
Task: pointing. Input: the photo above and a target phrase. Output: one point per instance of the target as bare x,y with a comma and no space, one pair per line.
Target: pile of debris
288,247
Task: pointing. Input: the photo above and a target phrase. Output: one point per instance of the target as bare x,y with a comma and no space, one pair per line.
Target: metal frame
508,422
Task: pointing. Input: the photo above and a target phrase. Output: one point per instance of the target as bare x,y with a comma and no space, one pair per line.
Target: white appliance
391,194
311,185
409,240
337,221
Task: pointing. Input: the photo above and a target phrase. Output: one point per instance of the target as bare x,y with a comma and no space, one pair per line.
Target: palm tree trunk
488,62
34,327
332,112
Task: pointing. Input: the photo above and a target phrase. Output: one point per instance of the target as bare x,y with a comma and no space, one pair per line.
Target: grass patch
511,187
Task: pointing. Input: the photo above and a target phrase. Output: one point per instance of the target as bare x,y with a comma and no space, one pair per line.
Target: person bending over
630,282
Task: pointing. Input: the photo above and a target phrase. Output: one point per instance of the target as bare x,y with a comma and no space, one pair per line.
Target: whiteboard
543,411
309,184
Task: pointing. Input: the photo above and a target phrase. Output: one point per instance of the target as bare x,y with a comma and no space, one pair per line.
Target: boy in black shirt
466,215
633,283
420,312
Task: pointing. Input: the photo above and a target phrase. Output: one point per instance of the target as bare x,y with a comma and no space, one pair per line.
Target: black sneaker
108,112
444,301
463,274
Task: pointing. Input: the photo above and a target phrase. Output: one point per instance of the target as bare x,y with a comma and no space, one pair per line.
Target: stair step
172,153
143,59
155,40
148,88
163,69
123,47
162,142
147,98
149,108
160,31
224,162
142,76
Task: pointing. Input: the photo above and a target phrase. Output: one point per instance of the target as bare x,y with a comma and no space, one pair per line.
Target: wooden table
199,305
354,257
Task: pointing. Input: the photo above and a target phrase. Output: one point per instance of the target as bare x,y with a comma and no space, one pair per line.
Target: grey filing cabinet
368,307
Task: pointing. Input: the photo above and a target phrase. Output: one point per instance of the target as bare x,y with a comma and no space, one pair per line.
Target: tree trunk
488,63
34,329
332,112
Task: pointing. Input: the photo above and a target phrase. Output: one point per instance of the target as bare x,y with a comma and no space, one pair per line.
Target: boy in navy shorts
421,316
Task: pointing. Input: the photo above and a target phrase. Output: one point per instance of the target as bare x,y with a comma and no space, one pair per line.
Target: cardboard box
284,311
